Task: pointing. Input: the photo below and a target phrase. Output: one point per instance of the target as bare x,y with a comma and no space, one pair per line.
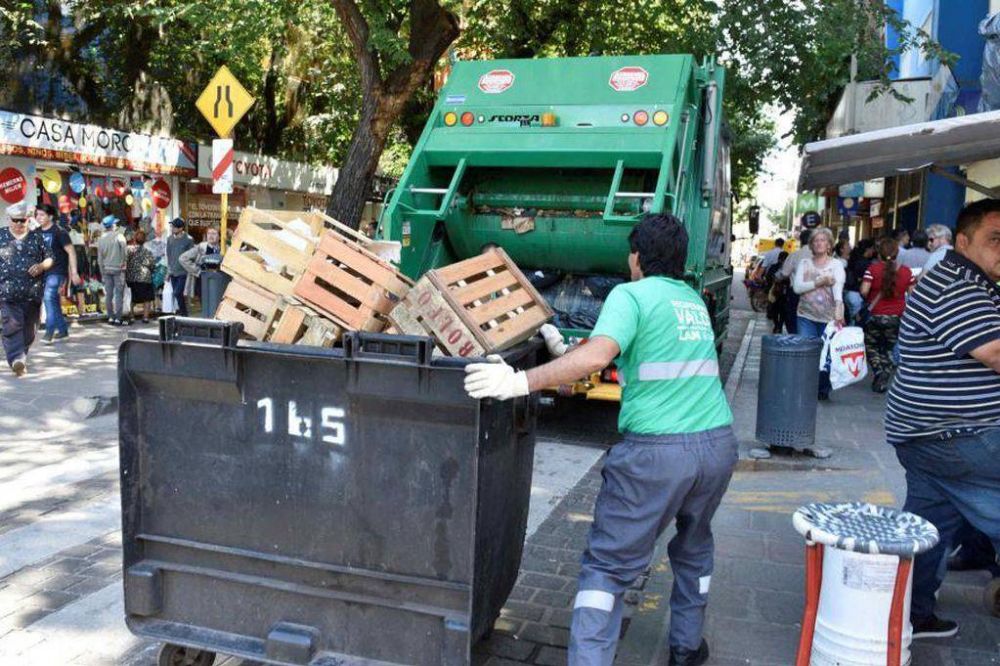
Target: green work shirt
668,367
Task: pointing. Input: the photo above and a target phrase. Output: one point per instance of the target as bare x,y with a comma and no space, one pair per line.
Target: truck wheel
991,597
178,655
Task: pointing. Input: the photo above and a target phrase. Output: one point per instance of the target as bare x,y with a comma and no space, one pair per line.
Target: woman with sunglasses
24,258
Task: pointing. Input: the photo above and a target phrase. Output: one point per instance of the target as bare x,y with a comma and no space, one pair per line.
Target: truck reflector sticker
628,79
496,81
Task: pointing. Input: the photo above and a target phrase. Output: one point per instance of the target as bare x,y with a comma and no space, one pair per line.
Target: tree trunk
353,186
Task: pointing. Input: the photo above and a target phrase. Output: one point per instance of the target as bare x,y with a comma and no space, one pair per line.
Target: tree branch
358,32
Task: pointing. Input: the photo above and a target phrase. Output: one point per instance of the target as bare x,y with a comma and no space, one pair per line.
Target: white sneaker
19,367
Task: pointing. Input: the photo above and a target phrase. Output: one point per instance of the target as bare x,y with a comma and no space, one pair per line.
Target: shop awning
888,152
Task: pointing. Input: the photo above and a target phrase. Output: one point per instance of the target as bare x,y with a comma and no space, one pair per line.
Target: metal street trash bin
297,505
787,390
213,286
859,560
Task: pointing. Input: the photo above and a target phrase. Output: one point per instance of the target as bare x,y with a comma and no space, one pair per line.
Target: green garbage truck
555,160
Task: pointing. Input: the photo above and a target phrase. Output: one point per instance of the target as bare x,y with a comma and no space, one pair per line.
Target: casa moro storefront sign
58,140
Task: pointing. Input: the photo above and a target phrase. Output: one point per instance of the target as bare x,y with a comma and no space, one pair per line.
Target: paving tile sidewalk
756,599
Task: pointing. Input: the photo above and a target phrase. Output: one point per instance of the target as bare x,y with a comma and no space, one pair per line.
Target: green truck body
556,159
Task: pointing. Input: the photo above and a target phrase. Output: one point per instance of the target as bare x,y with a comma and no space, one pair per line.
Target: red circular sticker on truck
627,79
496,81
161,193
13,185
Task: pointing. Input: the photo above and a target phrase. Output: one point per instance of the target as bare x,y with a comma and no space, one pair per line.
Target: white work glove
495,379
553,340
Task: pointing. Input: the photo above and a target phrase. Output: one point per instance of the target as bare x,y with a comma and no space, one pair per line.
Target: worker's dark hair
919,239
899,233
48,208
780,242
804,237
972,216
662,244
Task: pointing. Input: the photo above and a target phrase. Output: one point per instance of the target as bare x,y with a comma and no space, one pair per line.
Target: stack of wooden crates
304,278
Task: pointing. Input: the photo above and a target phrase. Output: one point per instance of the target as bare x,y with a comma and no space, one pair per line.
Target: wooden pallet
250,305
473,308
351,285
300,325
268,251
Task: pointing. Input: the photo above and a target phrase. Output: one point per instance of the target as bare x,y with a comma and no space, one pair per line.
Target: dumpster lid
865,528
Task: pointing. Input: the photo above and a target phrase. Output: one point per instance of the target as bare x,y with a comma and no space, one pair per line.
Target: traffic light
753,218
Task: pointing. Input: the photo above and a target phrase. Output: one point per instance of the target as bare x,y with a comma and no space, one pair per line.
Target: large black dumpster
305,506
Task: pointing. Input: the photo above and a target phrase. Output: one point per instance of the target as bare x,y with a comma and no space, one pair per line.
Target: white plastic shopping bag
844,352
168,298
127,301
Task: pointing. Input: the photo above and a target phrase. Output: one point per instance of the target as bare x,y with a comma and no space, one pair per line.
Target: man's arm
988,355
579,362
74,274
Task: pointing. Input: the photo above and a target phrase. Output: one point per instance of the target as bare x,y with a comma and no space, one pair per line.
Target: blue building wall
954,24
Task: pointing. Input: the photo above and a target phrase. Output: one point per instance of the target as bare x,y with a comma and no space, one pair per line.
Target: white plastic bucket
852,625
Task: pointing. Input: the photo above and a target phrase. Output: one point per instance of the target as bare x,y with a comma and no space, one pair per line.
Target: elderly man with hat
178,243
112,256
24,258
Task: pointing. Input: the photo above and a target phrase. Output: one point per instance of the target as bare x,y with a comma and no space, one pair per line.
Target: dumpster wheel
991,597
178,655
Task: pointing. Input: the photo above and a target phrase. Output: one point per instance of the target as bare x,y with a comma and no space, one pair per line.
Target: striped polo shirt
939,388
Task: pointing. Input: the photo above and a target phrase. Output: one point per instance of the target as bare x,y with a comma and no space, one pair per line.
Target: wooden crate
250,305
300,325
263,234
351,285
473,308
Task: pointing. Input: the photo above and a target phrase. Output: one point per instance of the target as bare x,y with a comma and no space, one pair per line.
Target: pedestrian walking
842,251
193,260
917,254
678,449
884,287
938,242
786,273
770,257
857,263
178,243
139,268
64,269
24,258
902,238
777,294
943,409
819,282
111,260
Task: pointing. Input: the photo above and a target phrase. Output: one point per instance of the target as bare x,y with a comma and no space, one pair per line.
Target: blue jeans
808,328
853,300
55,322
177,284
950,482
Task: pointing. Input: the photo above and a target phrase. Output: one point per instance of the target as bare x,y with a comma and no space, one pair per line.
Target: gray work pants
648,482
114,293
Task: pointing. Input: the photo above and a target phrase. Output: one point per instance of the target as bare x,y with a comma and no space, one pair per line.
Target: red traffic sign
496,81
161,193
628,79
13,185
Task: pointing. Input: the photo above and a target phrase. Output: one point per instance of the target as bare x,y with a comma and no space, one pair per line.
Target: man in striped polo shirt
943,411
678,451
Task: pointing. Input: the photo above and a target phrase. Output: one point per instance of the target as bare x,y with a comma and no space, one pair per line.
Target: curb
736,372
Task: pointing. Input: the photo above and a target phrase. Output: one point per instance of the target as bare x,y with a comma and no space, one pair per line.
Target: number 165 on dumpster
326,424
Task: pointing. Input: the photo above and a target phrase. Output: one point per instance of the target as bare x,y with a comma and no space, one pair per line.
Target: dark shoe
62,336
824,396
19,367
682,657
933,627
47,339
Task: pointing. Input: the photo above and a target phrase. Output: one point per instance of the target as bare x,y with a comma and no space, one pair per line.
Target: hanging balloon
83,202
105,201
129,199
147,204
99,192
119,188
65,204
51,180
77,183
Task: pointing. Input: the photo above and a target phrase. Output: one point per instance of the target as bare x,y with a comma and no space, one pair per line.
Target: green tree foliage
326,72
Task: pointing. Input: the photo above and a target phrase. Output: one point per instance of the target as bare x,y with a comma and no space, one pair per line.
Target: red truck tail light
640,118
468,118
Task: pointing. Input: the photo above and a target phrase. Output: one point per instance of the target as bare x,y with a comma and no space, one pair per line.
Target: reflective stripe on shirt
652,371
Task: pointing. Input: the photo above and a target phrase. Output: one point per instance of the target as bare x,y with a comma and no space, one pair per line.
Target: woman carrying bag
884,287
819,282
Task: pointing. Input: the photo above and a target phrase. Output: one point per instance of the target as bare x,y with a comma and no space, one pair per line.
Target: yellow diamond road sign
224,101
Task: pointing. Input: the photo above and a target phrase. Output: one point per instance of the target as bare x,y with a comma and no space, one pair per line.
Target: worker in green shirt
678,449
